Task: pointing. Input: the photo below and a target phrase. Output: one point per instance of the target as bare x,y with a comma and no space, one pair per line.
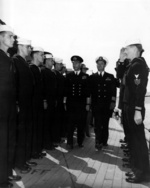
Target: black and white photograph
74,94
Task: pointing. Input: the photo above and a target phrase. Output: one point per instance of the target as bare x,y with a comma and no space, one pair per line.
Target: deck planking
84,168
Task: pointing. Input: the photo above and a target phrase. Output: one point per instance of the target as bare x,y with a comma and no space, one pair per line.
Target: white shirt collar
78,72
102,73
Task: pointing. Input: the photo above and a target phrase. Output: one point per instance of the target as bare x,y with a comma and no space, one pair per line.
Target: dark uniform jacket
7,80
121,69
24,79
102,89
7,116
49,85
24,85
60,86
77,89
136,82
38,85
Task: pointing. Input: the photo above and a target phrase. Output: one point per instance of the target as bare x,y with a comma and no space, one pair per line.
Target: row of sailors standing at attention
39,105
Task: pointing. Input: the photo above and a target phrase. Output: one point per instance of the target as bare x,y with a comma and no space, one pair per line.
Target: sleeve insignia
137,81
136,76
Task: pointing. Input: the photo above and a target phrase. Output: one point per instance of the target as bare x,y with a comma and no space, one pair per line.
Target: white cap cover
102,58
48,56
58,60
24,41
6,28
132,41
37,49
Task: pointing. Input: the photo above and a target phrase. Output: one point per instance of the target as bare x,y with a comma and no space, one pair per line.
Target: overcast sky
88,28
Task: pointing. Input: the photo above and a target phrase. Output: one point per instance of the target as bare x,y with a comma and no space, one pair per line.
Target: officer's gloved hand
138,117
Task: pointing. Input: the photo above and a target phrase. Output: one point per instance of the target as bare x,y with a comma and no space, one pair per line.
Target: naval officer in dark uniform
103,96
77,102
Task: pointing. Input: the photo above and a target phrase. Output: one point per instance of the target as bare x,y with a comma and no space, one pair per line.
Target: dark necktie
100,75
